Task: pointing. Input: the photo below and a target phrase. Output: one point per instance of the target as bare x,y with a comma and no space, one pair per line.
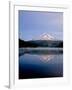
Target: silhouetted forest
40,43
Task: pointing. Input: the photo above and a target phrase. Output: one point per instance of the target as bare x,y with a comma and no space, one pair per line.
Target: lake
40,63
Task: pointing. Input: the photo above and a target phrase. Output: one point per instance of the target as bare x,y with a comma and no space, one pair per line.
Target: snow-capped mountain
46,36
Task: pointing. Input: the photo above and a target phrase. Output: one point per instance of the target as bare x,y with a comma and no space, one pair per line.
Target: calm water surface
40,65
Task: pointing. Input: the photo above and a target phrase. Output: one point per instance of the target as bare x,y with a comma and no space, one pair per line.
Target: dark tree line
40,43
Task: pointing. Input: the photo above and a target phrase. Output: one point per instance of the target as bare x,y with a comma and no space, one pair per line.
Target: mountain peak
46,36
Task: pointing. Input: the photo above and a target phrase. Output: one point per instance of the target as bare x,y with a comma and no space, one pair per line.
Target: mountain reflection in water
46,58
40,64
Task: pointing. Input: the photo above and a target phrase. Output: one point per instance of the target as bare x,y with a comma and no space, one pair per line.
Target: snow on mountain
46,36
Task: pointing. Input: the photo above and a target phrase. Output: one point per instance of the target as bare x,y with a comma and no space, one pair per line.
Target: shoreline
40,51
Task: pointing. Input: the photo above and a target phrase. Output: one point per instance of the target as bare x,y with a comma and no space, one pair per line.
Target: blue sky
34,23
